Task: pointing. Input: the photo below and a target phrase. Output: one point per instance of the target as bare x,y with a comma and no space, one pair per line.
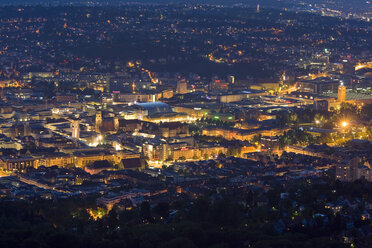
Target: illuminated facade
76,129
98,120
197,153
84,158
181,87
239,134
17,163
341,96
60,160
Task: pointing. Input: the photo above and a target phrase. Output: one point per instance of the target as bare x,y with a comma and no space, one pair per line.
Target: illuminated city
186,124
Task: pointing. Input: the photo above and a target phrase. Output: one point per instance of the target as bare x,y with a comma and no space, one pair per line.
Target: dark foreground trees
217,221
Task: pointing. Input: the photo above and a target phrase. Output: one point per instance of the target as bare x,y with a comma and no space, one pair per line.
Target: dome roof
155,107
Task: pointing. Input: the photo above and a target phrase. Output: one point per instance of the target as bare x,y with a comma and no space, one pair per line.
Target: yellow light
344,124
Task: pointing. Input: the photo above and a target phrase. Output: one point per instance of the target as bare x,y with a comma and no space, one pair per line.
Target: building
341,97
152,108
86,157
120,84
143,96
156,150
157,112
319,85
242,134
173,129
348,67
167,93
197,152
76,129
269,144
237,96
321,105
130,125
6,142
66,98
347,171
56,159
181,87
217,85
132,164
98,120
10,163
98,166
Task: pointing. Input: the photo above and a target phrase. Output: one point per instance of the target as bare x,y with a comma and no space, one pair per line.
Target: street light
344,124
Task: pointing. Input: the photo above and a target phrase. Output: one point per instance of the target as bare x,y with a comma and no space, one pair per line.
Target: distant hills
343,5
224,2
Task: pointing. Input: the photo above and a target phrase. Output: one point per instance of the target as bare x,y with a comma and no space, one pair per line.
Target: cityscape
214,124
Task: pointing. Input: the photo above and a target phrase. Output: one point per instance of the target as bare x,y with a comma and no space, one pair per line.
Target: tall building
98,120
341,93
347,171
156,150
258,8
181,87
76,129
348,67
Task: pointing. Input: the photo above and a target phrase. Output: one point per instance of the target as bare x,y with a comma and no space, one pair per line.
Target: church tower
76,129
98,121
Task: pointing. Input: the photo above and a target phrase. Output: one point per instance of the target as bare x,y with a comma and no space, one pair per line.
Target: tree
366,111
62,240
256,139
112,218
145,211
30,243
200,208
162,209
178,242
234,150
221,155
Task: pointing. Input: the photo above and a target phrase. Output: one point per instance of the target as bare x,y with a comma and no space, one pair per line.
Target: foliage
210,221
296,137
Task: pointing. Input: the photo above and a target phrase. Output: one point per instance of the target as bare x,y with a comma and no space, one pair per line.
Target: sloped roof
132,163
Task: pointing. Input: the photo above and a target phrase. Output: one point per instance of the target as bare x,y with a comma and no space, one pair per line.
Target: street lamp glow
344,124
317,121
